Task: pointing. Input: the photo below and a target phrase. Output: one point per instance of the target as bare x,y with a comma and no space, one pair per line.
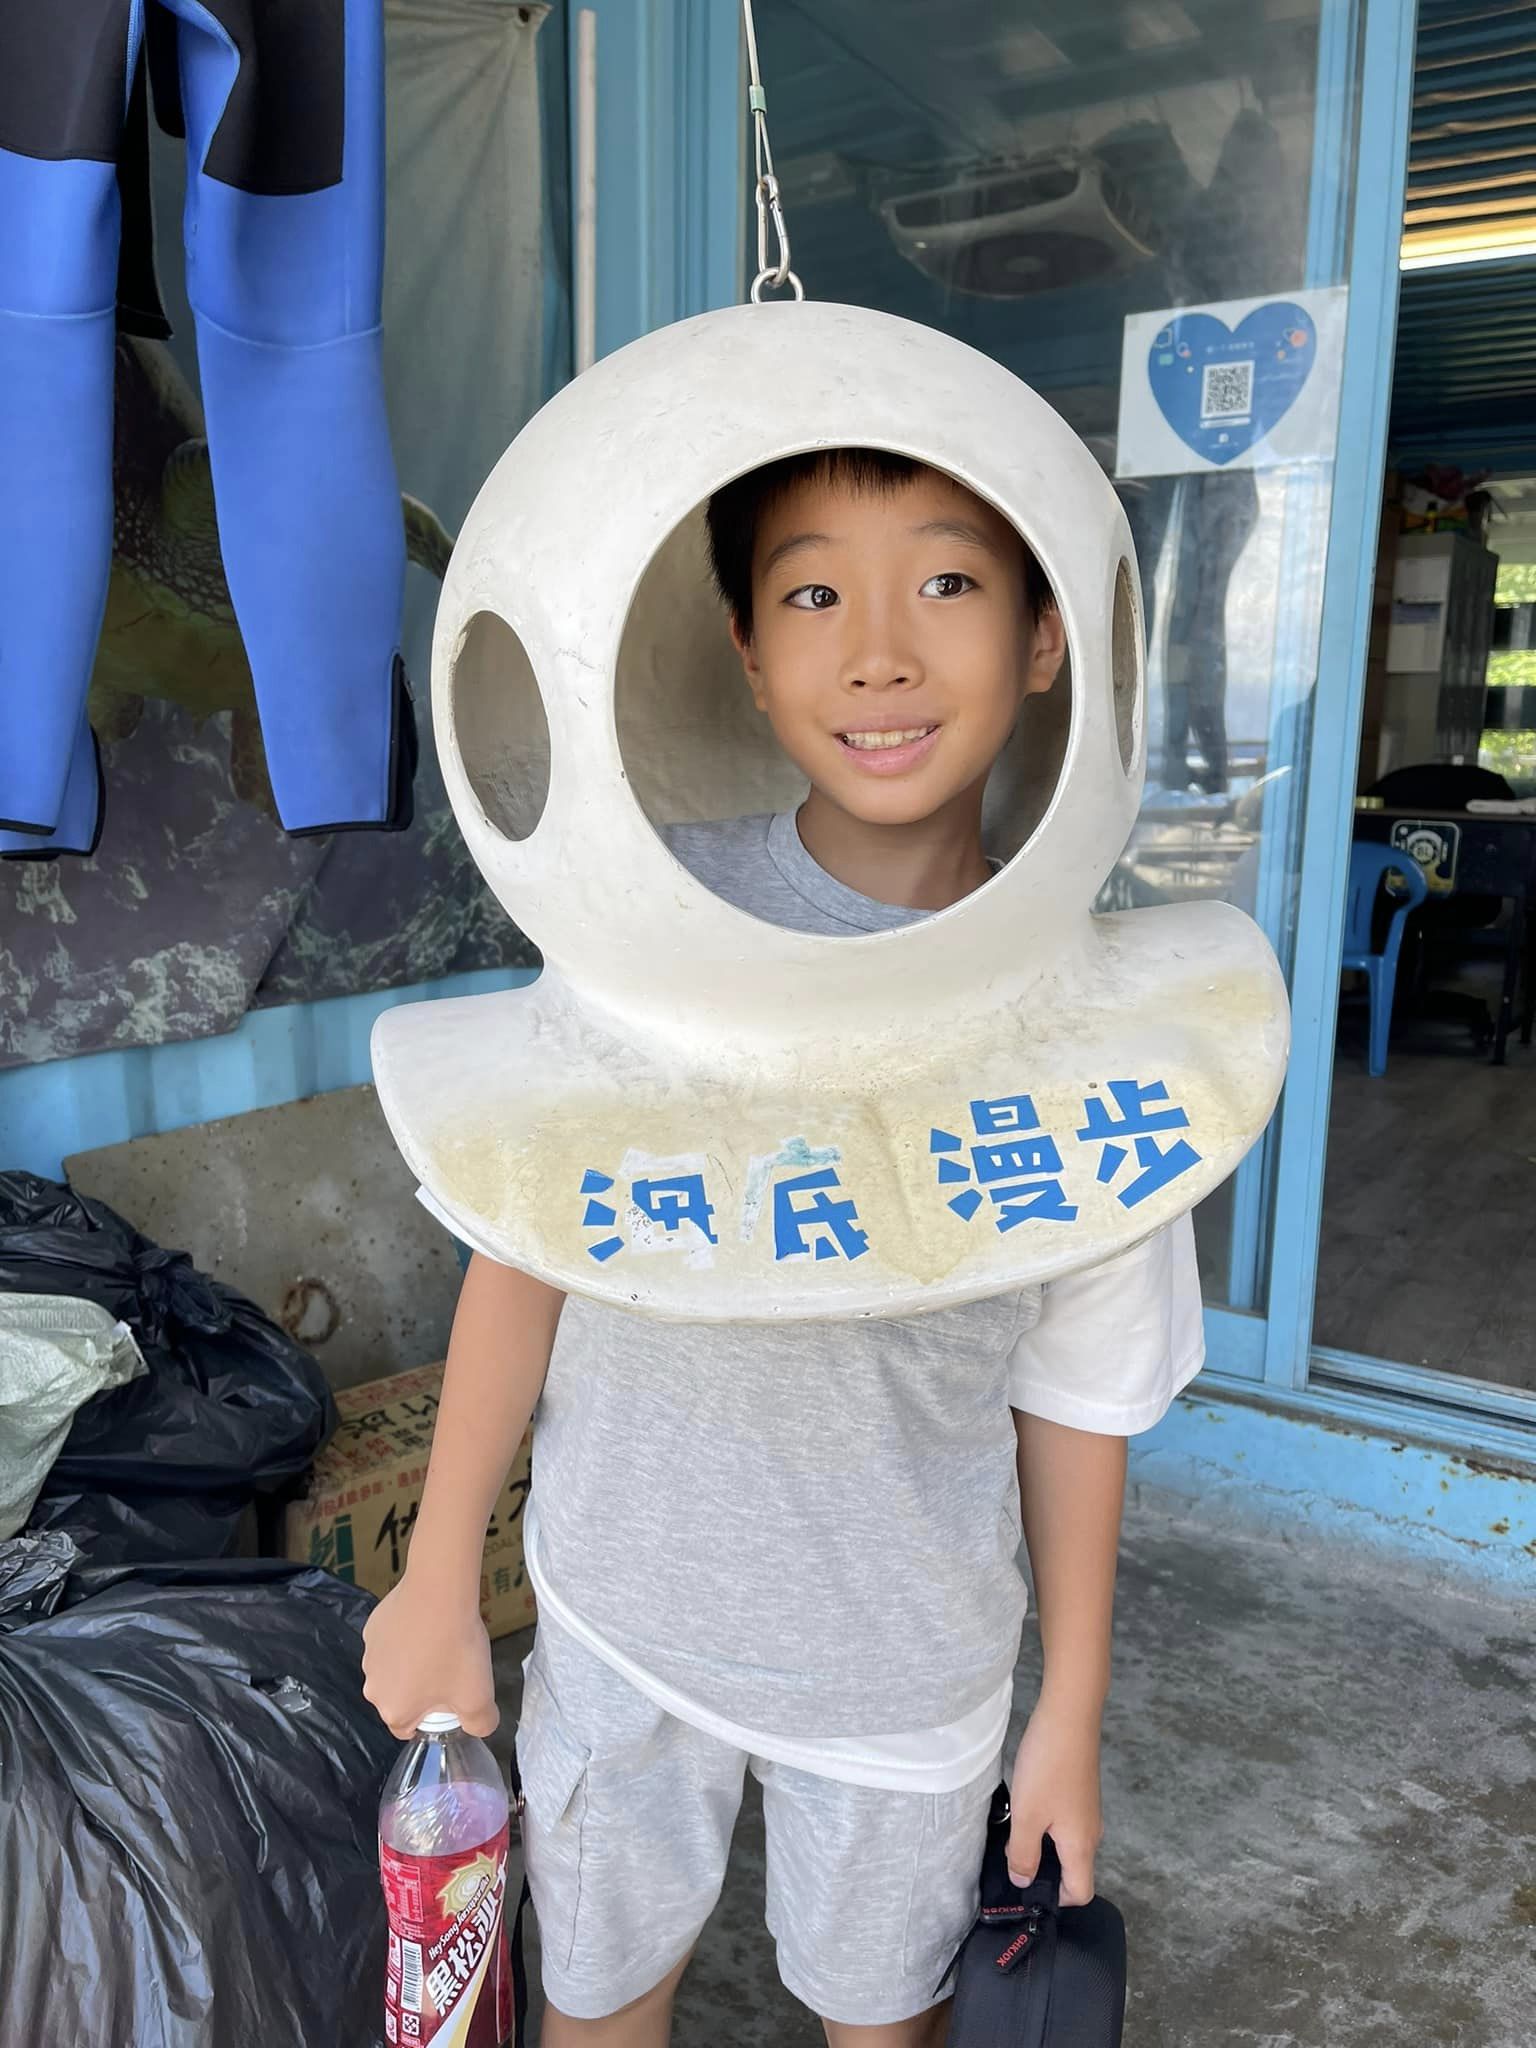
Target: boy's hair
736,512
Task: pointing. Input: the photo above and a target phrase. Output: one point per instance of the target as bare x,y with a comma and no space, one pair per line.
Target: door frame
1328,805
1281,1352
670,157
672,242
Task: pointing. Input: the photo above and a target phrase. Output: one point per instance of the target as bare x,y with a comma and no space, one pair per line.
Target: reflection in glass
1027,180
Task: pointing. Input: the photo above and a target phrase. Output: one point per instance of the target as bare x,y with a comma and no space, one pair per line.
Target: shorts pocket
553,1767
946,1878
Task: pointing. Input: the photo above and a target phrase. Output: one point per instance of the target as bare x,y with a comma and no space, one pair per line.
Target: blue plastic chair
1369,865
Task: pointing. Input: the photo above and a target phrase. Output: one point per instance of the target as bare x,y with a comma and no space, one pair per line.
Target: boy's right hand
423,1655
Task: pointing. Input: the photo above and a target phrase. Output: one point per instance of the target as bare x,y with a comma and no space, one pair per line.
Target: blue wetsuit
282,105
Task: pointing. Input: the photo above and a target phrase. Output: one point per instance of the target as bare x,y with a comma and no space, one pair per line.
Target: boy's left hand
1055,1792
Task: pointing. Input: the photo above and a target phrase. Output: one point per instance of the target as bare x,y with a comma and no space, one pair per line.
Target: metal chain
770,206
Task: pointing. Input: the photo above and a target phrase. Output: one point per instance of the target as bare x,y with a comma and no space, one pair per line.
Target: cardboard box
365,1490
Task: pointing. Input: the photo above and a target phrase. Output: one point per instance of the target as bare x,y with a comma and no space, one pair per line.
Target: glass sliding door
1034,178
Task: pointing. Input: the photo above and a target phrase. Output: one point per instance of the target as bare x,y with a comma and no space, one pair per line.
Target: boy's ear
744,646
1048,650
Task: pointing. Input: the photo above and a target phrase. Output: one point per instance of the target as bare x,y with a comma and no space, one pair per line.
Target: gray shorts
628,1826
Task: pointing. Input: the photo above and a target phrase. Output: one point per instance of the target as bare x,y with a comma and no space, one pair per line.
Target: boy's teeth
866,742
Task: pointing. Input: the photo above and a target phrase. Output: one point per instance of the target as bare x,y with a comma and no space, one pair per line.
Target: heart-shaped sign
1222,388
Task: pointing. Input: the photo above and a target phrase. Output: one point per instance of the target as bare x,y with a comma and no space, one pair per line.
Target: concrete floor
1429,1210
1320,1800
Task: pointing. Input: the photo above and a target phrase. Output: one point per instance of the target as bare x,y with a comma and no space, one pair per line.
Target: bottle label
450,1975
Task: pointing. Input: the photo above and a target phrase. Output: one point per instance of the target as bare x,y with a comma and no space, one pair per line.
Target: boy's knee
644,2021
928,2030
660,1996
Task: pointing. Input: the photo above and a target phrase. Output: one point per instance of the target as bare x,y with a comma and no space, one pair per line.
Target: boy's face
892,644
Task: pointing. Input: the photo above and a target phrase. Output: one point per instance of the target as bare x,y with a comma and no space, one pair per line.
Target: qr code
1226,391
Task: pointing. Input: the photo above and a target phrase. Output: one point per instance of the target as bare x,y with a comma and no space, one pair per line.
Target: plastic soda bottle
444,1856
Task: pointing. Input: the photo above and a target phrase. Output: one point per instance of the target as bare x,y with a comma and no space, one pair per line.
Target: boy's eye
812,597
950,584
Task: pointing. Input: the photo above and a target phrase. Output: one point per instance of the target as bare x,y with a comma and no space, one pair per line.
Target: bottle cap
438,1724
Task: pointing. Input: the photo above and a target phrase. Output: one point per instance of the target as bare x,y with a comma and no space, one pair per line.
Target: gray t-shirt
812,1529
809,1529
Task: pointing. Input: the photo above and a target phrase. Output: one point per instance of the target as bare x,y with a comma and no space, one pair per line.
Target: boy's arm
426,1649
1072,1491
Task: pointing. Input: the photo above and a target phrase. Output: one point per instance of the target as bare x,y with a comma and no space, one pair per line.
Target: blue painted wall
670,207
1385,1495
67,1106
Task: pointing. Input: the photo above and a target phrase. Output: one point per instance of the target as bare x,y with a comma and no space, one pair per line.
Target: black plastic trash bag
161,1468
33,1570
133,1527
189,1786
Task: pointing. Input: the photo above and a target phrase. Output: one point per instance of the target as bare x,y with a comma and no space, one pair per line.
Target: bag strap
1001,1899
519,1971
516,1955
1033,1907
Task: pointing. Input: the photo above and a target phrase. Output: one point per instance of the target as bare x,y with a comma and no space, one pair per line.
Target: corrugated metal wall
1465,386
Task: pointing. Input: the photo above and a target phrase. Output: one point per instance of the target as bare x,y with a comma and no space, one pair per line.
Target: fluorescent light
1025,53
1157,24
1441,252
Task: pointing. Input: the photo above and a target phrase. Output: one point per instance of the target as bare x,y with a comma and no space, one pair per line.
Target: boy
793,1548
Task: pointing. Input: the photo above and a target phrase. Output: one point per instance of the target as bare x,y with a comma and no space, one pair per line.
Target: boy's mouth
871,742
888,751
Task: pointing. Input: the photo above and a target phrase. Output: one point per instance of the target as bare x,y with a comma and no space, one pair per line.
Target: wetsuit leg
65,73
283,102
80,813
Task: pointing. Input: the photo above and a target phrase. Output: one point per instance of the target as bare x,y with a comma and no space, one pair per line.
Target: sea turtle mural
170,629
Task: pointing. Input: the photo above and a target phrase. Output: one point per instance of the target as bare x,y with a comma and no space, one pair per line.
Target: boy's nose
873,667
878,676
879,651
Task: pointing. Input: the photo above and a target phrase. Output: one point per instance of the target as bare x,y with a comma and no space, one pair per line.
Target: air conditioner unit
1007,231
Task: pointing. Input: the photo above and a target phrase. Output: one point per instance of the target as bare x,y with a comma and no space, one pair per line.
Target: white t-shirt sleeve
1112,1347
458,1230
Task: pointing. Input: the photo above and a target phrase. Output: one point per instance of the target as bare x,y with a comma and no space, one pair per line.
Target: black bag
231,1408
189,1785
1034,1973
517,1872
